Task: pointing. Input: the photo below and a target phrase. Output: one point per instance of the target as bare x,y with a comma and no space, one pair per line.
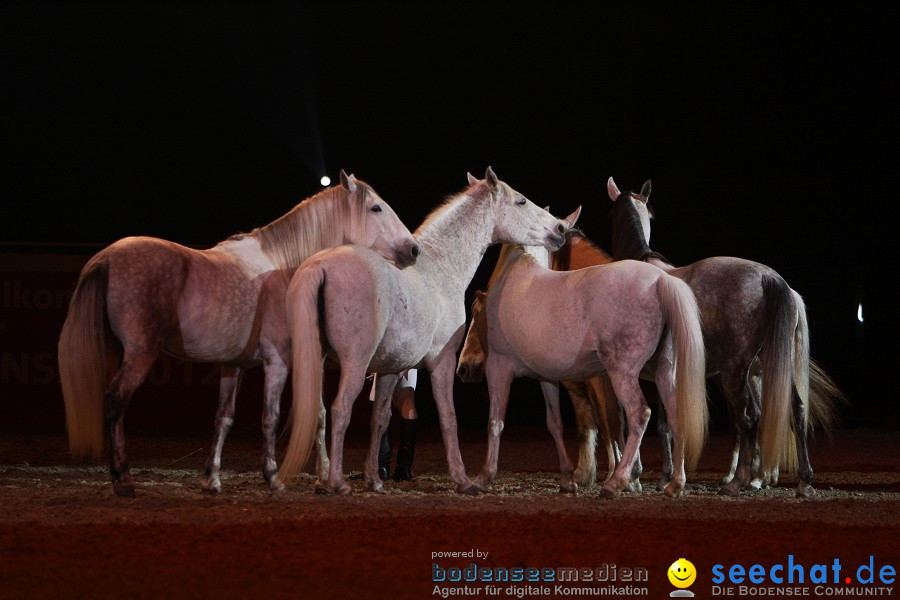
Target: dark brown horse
142,296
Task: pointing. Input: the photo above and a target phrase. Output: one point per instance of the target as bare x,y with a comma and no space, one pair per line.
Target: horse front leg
381,419
554,424
229,382
499,379
586,422
442,373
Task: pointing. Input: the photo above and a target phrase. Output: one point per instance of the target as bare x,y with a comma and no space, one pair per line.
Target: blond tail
307,351
83,363
683,319
777,444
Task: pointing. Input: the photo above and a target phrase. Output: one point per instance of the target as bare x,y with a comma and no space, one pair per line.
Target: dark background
769,132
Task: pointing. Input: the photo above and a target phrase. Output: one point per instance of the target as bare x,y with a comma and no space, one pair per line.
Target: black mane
627,234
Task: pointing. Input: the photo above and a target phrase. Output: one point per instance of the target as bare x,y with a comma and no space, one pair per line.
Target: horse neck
454,239
322,221
627,233
512,258
578,253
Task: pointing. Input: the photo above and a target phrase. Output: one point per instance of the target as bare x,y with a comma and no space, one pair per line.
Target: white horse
142,296
622,319
371,317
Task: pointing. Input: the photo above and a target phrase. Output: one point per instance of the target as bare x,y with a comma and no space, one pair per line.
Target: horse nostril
463,372
414,251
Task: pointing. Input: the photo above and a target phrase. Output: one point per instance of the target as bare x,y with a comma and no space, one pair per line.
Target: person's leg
404,400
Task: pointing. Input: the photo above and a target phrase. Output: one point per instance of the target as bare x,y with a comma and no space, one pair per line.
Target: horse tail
308,352
83,362
786,335
817,391
682,316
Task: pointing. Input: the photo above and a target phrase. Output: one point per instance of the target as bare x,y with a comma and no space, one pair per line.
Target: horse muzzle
407,256
470,372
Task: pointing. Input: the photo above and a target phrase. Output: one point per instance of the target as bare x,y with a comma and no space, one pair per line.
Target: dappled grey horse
757,343
142,296
622,319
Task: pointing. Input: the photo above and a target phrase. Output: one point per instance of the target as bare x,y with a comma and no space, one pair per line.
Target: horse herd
341,276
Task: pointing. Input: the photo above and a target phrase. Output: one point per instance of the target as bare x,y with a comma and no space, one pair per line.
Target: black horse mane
627,233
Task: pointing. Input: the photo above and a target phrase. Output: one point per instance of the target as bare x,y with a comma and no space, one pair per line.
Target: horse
594,401
757,342
350,304
623,319
142,296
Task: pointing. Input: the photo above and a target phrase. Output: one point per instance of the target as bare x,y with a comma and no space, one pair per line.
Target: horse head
380,227
470,367
518,220
640,201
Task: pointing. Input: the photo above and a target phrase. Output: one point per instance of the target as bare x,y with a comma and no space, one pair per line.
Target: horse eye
520,202
376,208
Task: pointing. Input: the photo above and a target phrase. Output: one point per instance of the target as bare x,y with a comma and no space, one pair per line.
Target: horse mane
564,257
627,233
447,208
316,223
505,251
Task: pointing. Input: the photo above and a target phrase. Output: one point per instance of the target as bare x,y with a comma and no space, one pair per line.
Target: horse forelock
318,222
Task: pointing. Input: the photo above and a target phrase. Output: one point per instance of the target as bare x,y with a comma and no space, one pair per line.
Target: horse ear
612,189
480,294
547,208
645,191
491,178
573,218
471,178
348,182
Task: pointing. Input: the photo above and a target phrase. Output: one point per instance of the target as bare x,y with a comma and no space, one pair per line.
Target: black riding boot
384,455
406,450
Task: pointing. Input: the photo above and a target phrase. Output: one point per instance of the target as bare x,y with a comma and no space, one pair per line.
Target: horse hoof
757,484
729,490
636,487
123,490
321,490
375,486
571,488
673,491
469,489
343,489
608,493
212,489
805,491
277,487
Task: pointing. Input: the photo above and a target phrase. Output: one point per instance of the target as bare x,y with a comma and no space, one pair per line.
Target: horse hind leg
637,415
229,383
276,374
555,426
351,384
745,411
131,374
665,440
805,470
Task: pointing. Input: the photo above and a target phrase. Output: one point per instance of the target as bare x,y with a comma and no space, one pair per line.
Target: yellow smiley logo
682,573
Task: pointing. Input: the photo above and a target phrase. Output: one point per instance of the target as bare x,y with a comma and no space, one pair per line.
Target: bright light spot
859,316
325,181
